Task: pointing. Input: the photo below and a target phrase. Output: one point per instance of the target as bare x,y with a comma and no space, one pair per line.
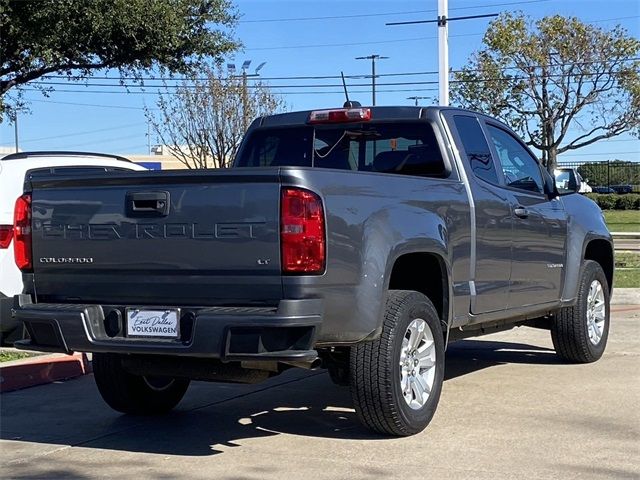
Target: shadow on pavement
468,356
214,417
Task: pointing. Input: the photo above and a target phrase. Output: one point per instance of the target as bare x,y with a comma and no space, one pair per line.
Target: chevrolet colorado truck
361,240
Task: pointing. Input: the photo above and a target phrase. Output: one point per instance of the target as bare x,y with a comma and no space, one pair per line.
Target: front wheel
396,379
580,333
135,394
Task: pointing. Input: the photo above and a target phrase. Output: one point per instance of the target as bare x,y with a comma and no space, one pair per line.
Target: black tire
570,329
135,394
375,369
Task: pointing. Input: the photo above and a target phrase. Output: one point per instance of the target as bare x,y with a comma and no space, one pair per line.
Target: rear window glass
405,148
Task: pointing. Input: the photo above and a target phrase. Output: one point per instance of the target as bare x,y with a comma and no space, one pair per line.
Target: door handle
147,204
521,212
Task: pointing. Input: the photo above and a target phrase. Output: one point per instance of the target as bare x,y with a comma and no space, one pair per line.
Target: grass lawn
623,220
7,356
627,270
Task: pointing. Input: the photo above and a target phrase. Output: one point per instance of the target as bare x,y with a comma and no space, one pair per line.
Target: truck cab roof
387,113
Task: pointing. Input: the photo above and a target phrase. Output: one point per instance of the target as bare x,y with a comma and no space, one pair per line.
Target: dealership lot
508,410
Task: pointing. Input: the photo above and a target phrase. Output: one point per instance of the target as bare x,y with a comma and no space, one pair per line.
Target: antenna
344,84
348,103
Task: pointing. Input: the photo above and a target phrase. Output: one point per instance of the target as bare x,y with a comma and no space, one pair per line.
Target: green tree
561,83
202,120
76,37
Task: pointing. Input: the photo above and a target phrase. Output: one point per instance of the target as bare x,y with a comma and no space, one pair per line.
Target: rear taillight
6,234
22,232
302,232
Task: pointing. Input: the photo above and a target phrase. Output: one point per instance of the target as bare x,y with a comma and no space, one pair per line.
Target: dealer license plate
153,323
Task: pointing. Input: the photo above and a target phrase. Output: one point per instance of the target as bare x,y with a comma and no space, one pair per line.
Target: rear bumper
7,323
285,333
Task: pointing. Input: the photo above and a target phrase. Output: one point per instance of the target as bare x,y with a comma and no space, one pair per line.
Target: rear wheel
135,394
396,380
580,333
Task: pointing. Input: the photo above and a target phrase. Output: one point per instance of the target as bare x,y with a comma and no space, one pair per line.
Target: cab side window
520,169
476,148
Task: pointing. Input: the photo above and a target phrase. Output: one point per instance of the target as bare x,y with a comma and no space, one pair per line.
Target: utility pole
443,52
443,44
416,98
15,130
373,59
148,137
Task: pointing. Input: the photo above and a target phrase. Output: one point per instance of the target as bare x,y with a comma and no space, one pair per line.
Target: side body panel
585,223
373,219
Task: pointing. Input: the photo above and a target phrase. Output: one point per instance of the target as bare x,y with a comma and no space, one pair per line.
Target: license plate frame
156,323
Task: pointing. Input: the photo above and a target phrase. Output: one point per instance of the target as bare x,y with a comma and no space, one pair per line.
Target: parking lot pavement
508,410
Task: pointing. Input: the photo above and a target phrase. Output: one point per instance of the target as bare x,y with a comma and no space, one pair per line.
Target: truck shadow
468,356
214,418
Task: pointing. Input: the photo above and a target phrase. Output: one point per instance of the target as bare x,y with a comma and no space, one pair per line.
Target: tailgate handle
148,204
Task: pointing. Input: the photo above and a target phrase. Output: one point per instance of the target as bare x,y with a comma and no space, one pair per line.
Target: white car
13,170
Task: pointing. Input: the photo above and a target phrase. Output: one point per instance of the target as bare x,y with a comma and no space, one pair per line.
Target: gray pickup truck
361,240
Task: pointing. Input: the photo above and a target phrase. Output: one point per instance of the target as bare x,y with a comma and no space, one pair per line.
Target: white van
13,170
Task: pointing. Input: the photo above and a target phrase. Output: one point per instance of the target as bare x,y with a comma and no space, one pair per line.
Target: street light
373,59
245,98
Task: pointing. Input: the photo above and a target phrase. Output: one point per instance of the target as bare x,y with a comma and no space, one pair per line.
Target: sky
311,38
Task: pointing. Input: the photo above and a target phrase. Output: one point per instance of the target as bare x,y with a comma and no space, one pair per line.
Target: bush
607,201
611,201
630,201
593,196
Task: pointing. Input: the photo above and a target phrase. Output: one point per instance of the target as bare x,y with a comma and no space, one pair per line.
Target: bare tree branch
202,123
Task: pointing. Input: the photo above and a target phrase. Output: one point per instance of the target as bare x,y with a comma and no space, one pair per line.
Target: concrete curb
627,235
41,369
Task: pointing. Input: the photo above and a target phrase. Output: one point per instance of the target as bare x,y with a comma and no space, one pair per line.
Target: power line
106,140
86,132
413,39
124,107
353,44
334,85
364,15
341,92
309,77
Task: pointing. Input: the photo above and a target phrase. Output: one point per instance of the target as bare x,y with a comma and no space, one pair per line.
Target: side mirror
565,182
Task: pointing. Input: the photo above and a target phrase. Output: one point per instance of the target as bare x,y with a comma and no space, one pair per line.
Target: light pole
245,95
443,44
443,52
373,59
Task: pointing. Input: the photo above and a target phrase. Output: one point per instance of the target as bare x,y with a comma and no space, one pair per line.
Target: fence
608,173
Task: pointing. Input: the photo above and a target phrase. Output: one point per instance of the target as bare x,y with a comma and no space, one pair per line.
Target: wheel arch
413,271
601,251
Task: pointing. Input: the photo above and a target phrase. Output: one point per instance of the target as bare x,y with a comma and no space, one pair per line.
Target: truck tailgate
169,238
